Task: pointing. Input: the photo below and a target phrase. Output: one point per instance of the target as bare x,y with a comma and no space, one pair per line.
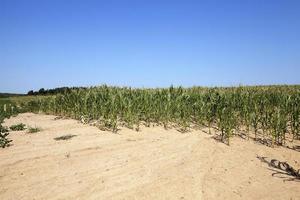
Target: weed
18,127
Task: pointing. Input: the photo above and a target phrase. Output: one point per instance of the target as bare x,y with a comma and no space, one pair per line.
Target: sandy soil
151,164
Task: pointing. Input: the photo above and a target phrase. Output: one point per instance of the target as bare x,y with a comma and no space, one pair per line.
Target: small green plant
65,137
34,129
18,127
4,141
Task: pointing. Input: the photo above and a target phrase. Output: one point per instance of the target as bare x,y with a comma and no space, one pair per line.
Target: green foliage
271,111
4,141
18,127
7,109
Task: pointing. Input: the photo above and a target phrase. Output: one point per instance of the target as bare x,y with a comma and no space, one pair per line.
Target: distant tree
30,92
42,91
59,90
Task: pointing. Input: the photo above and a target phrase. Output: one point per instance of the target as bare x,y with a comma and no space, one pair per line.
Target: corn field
7,109
270,112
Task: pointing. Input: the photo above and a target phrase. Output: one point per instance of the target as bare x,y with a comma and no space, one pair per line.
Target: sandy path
151,164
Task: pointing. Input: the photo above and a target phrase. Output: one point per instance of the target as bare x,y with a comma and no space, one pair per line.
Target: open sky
148,43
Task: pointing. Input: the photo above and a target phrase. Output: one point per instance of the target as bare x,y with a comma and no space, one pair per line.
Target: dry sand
151,164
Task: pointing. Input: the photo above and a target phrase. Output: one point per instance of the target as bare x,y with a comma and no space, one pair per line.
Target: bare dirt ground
151,164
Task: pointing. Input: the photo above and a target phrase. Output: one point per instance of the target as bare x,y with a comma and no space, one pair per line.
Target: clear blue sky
152,43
